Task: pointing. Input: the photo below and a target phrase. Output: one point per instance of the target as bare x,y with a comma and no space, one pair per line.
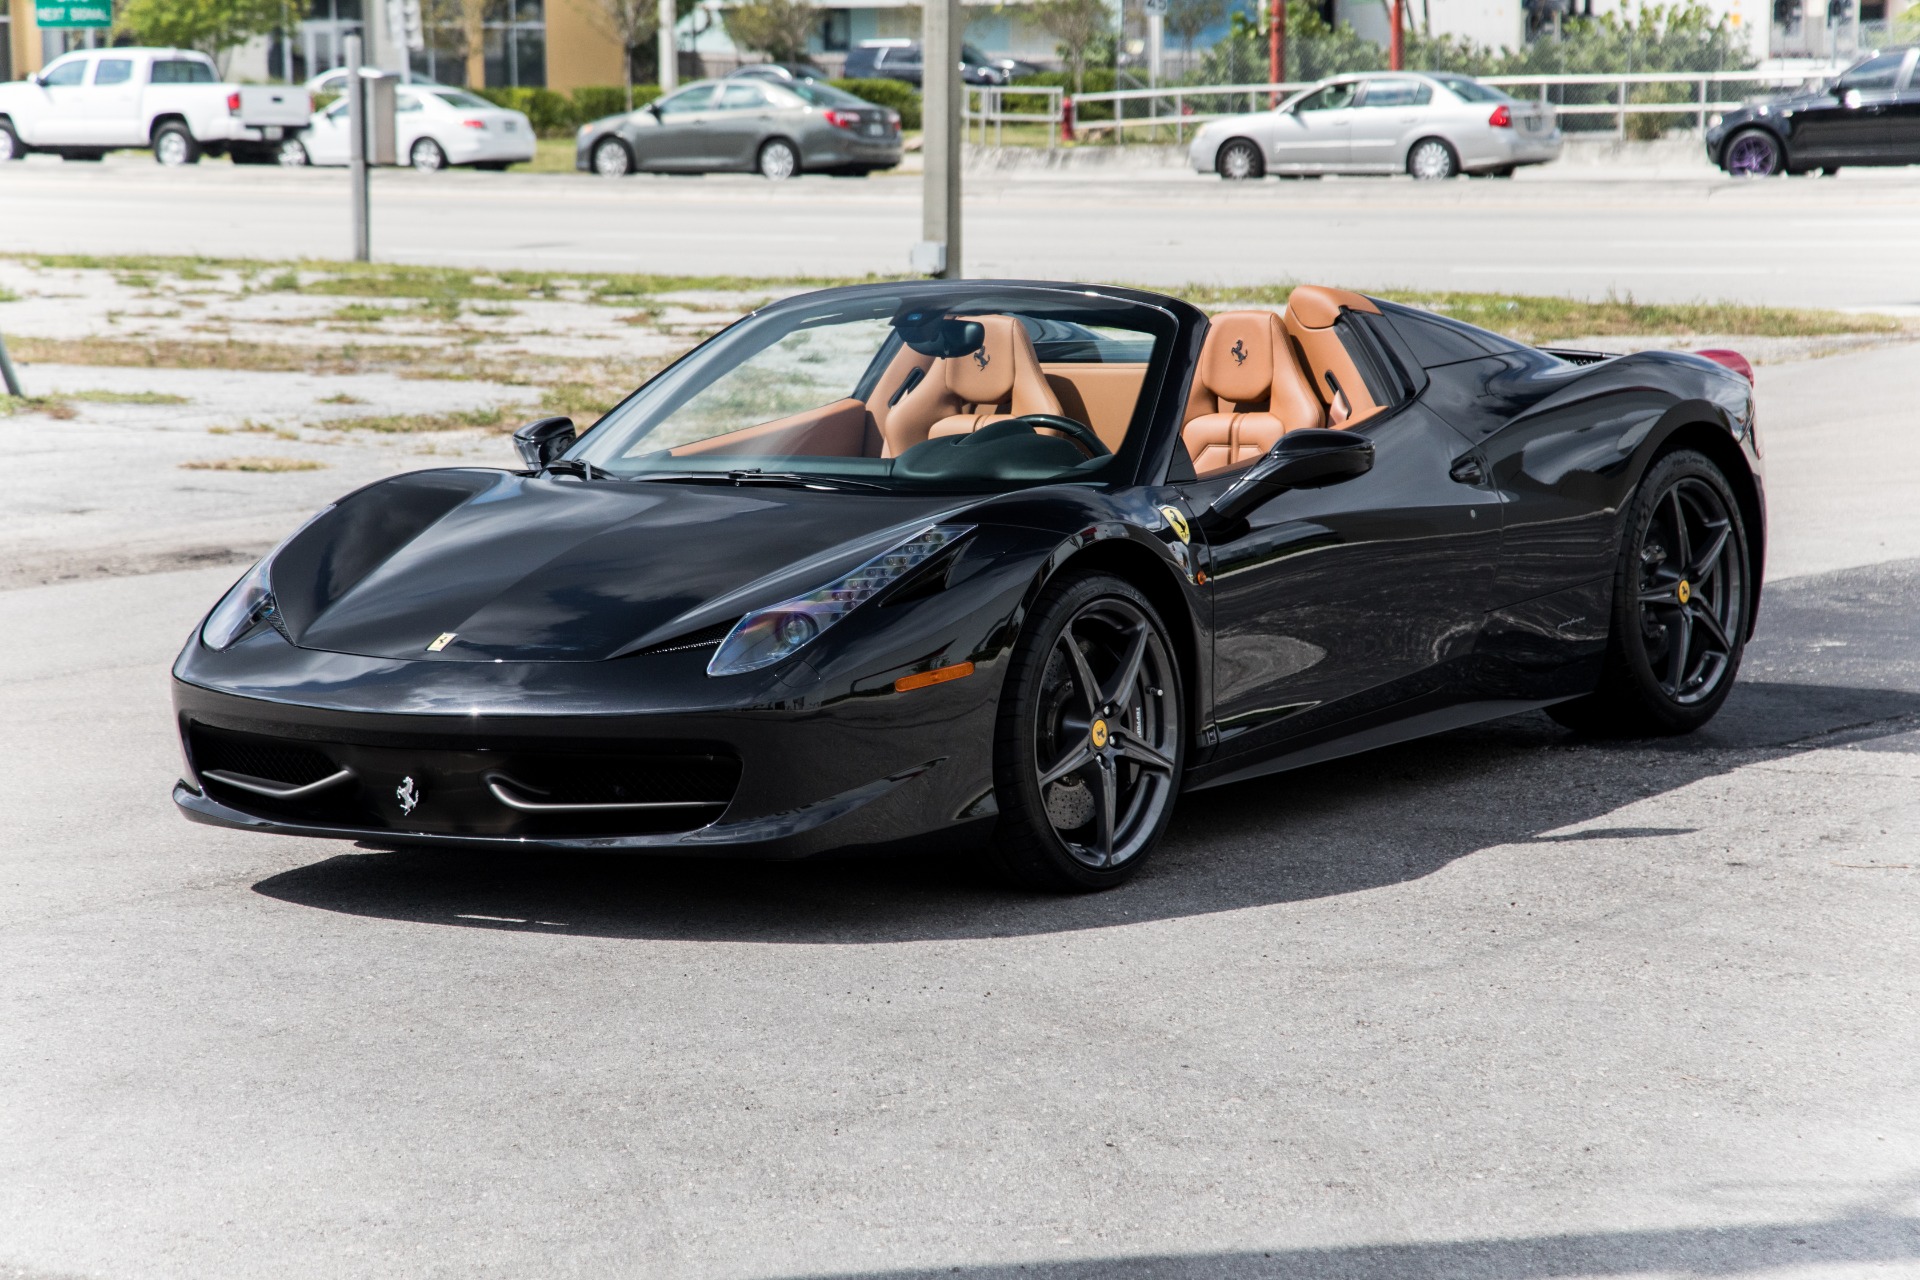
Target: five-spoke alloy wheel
1089,749
1754,154
1682,597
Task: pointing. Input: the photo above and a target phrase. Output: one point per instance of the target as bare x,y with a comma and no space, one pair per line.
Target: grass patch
254,464
341,397
51,406
124,397
414,423
8,295
365,312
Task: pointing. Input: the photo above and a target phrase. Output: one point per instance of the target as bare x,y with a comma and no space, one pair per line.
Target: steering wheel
1079,432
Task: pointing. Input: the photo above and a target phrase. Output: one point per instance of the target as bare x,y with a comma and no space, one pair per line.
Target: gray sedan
744,125
1428,125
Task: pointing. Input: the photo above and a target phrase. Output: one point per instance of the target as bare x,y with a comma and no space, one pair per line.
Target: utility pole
1156,37
669,71
1396,41
1276,46
357,148
938,253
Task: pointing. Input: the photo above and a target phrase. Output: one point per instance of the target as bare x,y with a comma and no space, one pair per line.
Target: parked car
900,60
434,126
88,103
1429,125
335,81
744,125
1867,115
782,72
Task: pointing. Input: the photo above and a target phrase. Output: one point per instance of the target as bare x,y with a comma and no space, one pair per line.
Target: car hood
531,569
1786,102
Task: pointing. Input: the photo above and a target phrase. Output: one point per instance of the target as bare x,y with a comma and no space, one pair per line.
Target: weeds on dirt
123,397
253,464
412,423
48,406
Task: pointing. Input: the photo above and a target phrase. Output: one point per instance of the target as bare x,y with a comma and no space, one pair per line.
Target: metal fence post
1703,106
1623,111
357,148
7,374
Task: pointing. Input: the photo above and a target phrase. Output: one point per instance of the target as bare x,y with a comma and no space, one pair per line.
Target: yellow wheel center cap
1098,734
1684,591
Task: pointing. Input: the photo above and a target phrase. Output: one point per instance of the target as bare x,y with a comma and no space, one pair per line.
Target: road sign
85,13
1154,6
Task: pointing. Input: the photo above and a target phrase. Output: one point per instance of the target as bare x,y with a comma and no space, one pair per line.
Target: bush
593,102
898,94
550,113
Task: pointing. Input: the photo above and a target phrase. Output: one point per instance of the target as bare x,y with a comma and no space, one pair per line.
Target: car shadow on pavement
1344,827
1872,1236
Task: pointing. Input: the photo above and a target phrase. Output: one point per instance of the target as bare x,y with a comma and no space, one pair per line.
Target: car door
60,120
1313,135
1334,603
110,103
327,139
1850,123
741,117
1388,111
676,136
1903,115
412,121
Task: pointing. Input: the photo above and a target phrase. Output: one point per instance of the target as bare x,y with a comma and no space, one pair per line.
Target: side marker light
939,675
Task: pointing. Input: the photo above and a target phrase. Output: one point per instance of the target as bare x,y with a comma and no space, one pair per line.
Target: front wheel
1089,744
778,161
426,156
1681,600
611,159
1240,161
1754,154
11,147
1432,160
293,154
174,146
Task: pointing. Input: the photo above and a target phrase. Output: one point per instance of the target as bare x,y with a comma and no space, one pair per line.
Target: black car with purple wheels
1867,115
999,564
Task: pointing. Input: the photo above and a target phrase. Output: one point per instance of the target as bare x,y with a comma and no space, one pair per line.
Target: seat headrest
1314,306
1236,361
986,376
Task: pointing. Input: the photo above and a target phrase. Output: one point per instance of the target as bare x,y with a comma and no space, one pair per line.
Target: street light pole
938,253
1396,41
669,71
357,148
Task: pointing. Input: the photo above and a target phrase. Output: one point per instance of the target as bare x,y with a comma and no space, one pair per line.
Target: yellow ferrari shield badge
1177,522
1097,734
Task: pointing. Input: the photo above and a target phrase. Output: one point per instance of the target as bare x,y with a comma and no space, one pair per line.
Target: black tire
492,166
1682,593
1093,679
1239,160
1433,160
1753,153
11,148
610,158
174,146
778,160
426,156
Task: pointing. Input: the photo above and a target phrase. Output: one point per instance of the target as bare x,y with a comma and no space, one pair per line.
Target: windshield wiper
788,479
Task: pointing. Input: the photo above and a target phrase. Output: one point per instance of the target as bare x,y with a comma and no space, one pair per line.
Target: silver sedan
744,125
1428,125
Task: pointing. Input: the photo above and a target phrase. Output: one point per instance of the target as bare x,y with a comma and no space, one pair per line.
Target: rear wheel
1089,744
1239,160
11,148
611,159
779,160
1754,154
1432,160
173,145
1680,607
426,156
293,154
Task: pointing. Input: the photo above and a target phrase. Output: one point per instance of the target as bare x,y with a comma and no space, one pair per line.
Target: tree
473,39
211,26
1186,19
630,21
1079,26
778,28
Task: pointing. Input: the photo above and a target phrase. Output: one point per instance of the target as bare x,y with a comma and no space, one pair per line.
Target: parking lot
1677,232
1502,1004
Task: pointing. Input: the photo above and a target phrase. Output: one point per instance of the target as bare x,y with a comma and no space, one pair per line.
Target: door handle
1468,470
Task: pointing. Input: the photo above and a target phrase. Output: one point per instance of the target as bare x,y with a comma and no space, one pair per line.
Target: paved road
1497,1006
1825,242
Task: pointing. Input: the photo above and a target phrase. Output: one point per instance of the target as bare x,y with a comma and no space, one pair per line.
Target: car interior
1261,374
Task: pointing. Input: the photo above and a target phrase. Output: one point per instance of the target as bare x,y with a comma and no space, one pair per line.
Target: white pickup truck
88,103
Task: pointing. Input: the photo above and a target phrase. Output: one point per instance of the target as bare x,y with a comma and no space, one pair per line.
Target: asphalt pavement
1580,230
1501,1005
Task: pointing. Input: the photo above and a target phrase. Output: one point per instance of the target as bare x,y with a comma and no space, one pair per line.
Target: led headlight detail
765,636
251,600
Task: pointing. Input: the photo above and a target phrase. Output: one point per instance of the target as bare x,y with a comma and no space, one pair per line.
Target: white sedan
1428,125
434,127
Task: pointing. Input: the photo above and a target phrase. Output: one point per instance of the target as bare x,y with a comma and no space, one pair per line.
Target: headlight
765,636
1714,120
250,602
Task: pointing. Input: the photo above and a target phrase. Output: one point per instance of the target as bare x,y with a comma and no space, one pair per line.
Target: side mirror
1304,459
653,109
542,441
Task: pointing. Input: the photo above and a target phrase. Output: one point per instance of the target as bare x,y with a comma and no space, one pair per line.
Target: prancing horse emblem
408,795
980,358
1239,352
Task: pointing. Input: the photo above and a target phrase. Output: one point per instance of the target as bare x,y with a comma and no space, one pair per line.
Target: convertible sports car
1004,564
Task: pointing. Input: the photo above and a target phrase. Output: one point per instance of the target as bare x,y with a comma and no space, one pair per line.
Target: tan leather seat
1001,380
1247,392
1311,312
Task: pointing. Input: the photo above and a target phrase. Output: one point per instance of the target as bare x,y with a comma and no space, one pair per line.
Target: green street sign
87,13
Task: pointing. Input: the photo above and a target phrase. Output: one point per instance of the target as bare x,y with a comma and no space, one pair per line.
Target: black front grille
446,790
265,758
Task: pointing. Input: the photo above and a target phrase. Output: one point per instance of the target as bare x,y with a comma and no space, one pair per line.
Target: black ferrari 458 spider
1004,564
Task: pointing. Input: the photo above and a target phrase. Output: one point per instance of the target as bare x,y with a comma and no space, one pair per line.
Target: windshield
462,101
1470,90
972,389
